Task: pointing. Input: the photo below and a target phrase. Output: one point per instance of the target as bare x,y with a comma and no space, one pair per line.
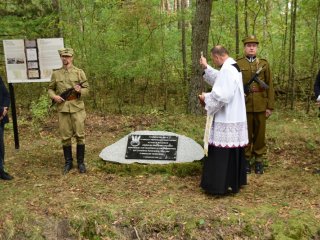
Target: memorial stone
153,147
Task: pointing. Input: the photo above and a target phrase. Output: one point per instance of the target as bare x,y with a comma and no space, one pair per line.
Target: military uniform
71,112
258,100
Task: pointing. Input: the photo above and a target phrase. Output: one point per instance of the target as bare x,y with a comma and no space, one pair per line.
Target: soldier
71,111
259,103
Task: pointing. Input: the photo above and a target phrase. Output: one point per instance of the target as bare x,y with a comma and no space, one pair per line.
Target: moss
298,225
180,170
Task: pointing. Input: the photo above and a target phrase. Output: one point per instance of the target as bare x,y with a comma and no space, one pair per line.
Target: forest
141,58
134,50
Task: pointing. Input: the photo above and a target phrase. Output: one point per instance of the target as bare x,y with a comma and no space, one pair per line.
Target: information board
31,60
152,147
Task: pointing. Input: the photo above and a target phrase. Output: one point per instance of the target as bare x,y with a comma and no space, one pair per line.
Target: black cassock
224,170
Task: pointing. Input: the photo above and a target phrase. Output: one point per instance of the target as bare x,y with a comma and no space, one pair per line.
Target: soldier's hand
268,113
318,104
58,99
77,88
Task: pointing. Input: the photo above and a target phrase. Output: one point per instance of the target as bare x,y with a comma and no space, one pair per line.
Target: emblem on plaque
135,141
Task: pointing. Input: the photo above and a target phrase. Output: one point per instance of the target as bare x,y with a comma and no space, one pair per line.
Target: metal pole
14,116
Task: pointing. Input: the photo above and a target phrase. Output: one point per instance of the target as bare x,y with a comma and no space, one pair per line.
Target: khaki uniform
71,112
257,101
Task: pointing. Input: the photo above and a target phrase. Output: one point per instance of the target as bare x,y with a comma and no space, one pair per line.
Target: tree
183,40
56,9
292,48
237,27
282,67
200,35
137,55
165,5
315,56
246,24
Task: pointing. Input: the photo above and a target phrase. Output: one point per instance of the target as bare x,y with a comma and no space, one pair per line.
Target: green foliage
131,50
31,19
136,51
39,108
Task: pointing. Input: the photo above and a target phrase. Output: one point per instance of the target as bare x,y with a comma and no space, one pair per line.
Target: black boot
248,167
5,176
67,152
258,168
80,158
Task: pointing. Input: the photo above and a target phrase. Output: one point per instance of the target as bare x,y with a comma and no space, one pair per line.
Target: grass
114,201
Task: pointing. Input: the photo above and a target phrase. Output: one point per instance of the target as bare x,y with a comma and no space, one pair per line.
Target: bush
39,108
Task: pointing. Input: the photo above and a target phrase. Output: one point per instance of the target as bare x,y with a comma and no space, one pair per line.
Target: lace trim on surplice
229,135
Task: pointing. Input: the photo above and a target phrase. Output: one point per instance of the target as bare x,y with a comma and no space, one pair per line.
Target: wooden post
14,116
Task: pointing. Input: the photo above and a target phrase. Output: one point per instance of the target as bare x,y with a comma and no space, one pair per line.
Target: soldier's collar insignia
251,59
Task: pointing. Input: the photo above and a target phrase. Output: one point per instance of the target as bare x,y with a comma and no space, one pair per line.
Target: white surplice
226,102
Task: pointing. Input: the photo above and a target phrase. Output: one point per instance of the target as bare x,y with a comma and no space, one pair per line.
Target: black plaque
152,147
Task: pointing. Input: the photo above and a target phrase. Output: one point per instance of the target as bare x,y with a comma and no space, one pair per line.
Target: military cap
250,39
66,52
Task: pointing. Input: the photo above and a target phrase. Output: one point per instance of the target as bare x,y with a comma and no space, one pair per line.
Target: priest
226,134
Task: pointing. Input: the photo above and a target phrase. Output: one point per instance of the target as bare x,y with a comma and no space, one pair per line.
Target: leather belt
256,89
71,97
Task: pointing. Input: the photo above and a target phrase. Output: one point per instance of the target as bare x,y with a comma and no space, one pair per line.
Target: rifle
255,78
67,93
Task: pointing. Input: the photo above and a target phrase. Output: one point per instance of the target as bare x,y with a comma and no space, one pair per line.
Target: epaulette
240,58
263,59
77,69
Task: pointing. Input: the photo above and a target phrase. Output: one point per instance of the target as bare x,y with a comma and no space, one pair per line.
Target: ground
114,201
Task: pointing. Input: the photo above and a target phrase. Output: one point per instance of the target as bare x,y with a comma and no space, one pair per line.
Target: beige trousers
72,125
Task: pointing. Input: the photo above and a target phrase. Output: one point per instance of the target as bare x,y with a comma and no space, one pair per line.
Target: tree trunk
177,5
255,19
267,11
200,35
178,8
315,58
246,24
237,28
165,5
292,53
282,67
56,8
183,41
